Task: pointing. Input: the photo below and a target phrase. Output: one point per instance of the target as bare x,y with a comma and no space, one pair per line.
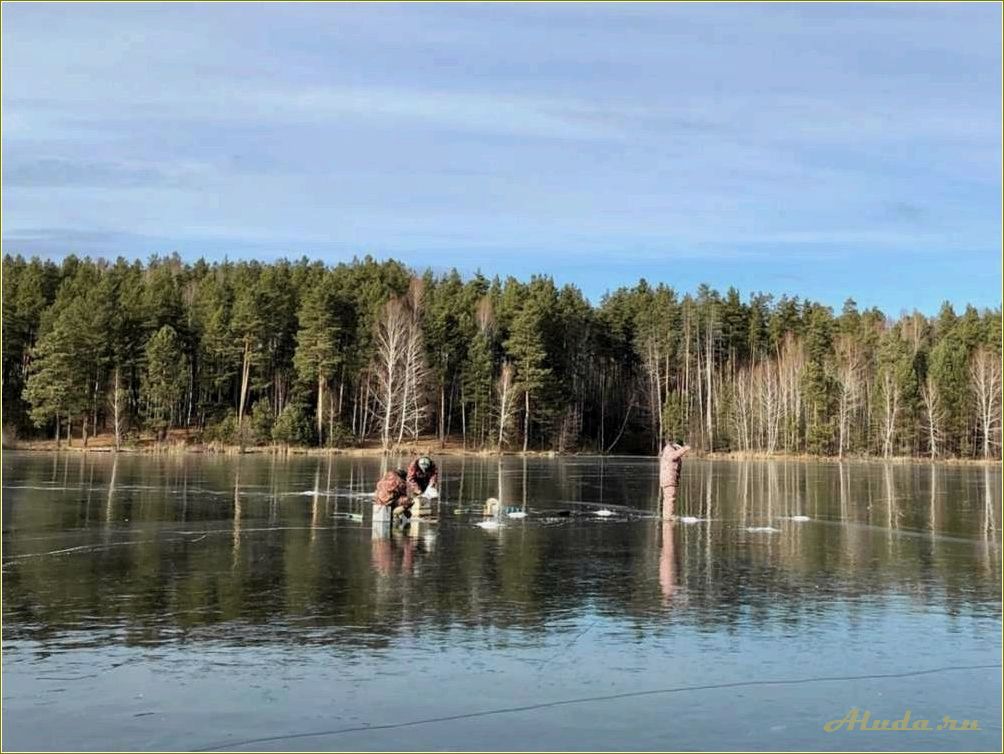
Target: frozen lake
238,603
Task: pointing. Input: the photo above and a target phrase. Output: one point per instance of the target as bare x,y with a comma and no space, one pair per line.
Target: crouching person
391,498
422,475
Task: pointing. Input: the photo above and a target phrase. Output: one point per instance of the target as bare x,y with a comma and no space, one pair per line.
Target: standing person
392,494
422,474
669,475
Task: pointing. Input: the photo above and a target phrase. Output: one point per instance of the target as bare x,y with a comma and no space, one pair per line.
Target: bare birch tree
934,414
769,395
848,374
413,369
653,365
890,409
790,366
388,371
506,402
985,375
118,408
744,407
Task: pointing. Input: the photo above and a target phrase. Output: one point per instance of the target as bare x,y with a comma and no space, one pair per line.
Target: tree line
301,353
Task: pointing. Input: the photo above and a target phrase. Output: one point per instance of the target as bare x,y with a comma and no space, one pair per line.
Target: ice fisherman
392,494
422,475
669,475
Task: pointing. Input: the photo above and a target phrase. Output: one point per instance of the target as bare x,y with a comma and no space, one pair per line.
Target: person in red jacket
422,474
669,475
392,492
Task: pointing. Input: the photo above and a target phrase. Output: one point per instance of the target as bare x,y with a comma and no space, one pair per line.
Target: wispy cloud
55,172
712,136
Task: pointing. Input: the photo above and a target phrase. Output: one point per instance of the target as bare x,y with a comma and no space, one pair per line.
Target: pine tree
761,376
318,354
58,381
525,346
164,380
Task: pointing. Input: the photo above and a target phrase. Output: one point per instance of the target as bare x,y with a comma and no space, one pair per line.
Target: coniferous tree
525,346
318,353
164,380
759,375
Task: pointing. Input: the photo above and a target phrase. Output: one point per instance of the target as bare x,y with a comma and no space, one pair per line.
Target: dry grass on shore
181,441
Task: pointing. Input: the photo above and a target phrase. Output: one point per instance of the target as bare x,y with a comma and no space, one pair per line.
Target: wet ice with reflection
182,602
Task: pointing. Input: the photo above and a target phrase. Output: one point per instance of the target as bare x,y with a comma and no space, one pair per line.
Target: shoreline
99,445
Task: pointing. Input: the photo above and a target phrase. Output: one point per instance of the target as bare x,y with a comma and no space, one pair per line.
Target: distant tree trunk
245,379
463,421
627,416
331,417
686,369
320,408
94,404
526,421
341,391
449,411
117,409
364,413
57,432
504,389
708,359
771,407
603,404
653,361
699,382
442,413
355,409
191,392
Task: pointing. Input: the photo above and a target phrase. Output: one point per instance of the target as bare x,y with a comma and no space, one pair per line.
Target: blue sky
822,150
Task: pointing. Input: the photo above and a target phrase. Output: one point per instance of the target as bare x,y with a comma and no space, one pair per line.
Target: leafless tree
890,410
413,399
388,371
791,363
245,379
744,407
709,359
118,408
985,374
653,366
505,390
770,408
934,414
848,374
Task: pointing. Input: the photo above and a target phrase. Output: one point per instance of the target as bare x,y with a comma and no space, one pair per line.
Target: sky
820,150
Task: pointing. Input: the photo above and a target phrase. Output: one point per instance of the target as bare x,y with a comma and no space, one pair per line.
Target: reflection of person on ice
667,563
669,475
